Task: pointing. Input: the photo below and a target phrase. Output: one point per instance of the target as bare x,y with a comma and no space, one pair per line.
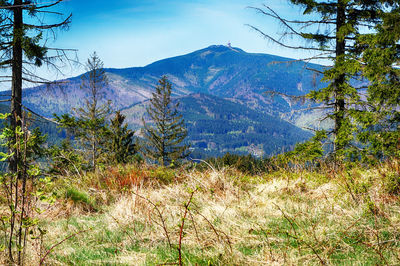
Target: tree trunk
94,146
340,80
16,110
16,87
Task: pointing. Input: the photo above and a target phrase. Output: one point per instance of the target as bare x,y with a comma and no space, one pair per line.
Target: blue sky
128,33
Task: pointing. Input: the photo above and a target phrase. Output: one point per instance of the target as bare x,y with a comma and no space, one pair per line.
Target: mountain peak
223,48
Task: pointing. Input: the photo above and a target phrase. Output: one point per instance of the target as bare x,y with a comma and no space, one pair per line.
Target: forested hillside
230,76
217,126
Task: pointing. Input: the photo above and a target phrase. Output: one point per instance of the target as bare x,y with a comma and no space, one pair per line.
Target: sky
128,33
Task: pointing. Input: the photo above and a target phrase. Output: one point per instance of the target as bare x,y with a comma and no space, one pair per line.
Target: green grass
79,196
281,218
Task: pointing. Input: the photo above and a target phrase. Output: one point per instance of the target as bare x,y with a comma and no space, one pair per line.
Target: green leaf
4,116
5,156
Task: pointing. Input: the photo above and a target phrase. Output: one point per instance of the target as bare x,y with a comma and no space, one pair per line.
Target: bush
244,163
64,160
392,183
79,196
163,174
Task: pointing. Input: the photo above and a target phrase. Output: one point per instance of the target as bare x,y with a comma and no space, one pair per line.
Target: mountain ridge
225,73
218,70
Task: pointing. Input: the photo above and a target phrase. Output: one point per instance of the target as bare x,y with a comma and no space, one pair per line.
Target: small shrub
65,160
79,196
247,164
392,183
163,174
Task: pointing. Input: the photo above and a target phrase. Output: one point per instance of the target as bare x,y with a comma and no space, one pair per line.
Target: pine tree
335,34
165,137
89,126
24,48
380,121
121,146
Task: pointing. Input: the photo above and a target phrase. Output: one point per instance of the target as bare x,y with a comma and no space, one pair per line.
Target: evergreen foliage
337,34
217,126
380,121
90,127
307,152
165,137
64,160
121,145
23,49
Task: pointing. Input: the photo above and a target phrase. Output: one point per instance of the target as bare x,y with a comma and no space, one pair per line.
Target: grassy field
136,215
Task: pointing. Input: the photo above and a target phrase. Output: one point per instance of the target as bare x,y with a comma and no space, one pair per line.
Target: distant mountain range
222,94
217,126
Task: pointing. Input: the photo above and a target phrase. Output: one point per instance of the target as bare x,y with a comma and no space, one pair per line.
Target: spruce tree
334,36
121,145
164,138
380,120
93,115
24,48
89,125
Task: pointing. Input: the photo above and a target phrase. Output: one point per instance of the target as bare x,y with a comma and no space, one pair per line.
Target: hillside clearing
232,219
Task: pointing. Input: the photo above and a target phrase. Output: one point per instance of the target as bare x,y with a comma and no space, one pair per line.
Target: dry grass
233,219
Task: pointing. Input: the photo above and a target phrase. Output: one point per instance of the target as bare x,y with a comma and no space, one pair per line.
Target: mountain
218,70
209,79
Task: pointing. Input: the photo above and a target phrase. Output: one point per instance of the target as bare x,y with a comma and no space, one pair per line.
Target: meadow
218,215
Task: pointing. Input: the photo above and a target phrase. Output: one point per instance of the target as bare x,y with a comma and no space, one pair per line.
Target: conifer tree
334,34
22,27
165,137
24,48
93,115
121,146
90,124
380,121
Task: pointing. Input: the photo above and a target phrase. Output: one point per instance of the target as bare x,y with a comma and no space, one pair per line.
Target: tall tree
333,35
380,121
89,125
94,114
23,48
121,145
165,137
